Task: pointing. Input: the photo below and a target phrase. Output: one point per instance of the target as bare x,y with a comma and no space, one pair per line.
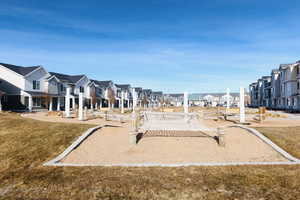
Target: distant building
281,90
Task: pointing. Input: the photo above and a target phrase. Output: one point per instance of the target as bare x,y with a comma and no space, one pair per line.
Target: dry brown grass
287,138
25,144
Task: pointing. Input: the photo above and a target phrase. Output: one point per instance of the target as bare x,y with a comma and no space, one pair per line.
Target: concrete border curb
175,165
72,146
269,142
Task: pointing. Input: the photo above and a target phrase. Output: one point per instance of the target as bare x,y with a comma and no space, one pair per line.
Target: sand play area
110,146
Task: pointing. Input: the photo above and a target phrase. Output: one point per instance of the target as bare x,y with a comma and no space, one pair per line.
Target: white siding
52,86
12,78
82,83
39,75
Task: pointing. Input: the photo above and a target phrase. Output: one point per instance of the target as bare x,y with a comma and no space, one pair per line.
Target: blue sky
168,45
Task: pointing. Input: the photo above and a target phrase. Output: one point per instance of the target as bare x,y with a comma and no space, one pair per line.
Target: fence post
106,115
134,132
221,137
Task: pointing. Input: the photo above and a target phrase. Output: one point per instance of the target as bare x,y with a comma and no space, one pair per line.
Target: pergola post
122,102
134,95
242,105
80,109
227,100
67,103
186,103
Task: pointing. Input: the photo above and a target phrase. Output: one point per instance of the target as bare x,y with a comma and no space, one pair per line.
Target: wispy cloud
200,52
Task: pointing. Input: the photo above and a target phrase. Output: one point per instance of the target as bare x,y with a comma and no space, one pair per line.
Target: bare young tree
93,96
111,97
145,100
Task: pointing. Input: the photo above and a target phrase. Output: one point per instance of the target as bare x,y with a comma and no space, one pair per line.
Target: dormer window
35,85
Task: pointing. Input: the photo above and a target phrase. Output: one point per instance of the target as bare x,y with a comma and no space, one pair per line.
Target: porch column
92,106
0,103
109,105
80,108
186,103
228,100
73,103
134,101
242,105
51,104
58,103
100,103
67,103
96,105
30,103
122,102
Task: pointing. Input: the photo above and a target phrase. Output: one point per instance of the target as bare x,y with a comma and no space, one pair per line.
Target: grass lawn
287,138
25,144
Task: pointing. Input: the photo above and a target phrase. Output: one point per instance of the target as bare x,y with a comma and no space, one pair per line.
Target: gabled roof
103,84
123,86
266,77
67,78
253,84
147,90
158,93
284,66
138,89
175,95
275,71
19,69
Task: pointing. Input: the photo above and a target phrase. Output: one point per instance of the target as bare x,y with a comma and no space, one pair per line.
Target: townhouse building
157,98
139,93
174,99
27,87
34,88
281,90
147,99
275,89
110,98
266,91
126,91
253,92
76,83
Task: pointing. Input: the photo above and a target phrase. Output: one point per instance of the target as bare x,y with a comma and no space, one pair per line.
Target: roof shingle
19,69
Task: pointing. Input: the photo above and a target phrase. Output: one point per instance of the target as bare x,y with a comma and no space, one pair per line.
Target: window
298,70
298,85
81,89
36,85
36,101
62,88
